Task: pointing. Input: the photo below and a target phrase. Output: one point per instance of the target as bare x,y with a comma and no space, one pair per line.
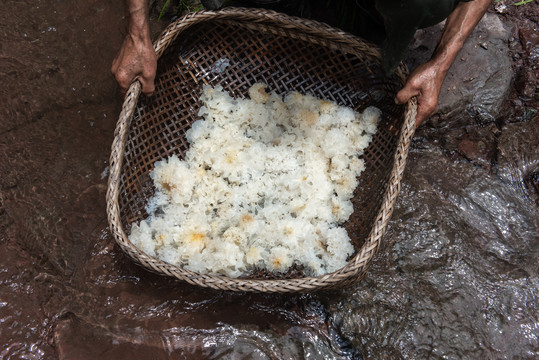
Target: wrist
444,56
138,26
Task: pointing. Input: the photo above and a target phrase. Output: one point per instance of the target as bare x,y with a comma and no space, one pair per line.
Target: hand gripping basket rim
295,27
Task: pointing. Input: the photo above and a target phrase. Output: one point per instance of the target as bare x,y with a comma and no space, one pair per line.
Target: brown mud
68,292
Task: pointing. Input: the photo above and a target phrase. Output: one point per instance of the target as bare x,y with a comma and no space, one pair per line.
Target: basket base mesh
235,57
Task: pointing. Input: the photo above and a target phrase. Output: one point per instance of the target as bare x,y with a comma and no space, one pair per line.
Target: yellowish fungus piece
308,117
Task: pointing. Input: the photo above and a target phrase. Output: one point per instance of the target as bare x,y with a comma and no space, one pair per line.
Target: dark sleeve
212,4
402,19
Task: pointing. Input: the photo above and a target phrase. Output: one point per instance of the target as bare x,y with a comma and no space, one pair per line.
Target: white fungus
265,184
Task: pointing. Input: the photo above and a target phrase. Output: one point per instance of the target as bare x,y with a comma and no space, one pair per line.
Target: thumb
405,94
148,85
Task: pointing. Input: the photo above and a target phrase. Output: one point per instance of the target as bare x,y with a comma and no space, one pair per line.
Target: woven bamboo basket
287,53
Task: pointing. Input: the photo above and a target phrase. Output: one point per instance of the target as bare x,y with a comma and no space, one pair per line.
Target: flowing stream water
456,277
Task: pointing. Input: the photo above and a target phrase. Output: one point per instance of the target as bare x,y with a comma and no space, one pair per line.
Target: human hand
425,82
136,60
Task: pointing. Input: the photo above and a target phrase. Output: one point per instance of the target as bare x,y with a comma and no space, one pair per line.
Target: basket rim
290,26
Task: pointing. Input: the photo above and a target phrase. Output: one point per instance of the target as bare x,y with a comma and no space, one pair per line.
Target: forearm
137,16
426,80
136,59
459,25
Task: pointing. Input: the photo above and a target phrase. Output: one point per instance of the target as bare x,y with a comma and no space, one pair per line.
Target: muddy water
67,291
457,278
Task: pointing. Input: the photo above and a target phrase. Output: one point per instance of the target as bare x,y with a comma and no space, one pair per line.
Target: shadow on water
456,279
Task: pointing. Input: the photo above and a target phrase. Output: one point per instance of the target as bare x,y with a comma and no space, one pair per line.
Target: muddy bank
457,277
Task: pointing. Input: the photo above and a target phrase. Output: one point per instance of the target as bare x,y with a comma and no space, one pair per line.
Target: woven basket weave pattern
236,48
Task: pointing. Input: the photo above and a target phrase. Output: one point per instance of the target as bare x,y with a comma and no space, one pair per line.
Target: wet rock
478,82
457,278
470,149
518,152
532,184
476,144
529,37
526,83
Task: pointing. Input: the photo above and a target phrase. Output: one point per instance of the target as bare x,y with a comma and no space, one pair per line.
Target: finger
148,87
147,81
124,78
405,94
